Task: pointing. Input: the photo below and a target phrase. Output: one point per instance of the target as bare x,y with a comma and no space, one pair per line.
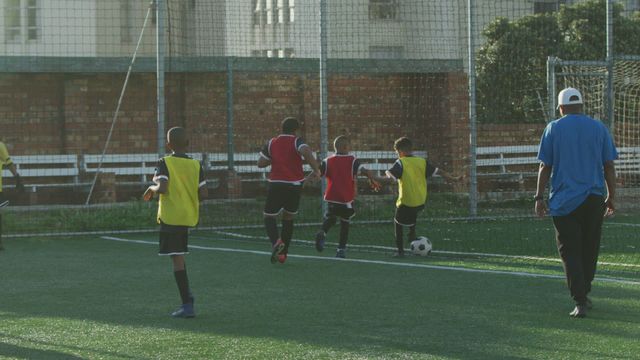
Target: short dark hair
290,125
177,136
403,144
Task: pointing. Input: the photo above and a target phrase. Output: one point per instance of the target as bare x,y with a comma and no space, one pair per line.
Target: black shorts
343,211
174,240
282,196
407,215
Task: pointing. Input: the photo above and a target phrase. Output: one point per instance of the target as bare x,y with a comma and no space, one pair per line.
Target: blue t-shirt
577,147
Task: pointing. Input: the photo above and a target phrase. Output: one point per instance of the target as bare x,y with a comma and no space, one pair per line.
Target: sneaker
277,249
580,311
184,311
320,237
282,258
340,253
398,254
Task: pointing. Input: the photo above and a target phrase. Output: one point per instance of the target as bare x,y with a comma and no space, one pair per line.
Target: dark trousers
578,239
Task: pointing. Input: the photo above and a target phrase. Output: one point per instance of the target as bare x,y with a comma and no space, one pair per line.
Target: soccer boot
320,237
276,250
184,311
341,253
580,311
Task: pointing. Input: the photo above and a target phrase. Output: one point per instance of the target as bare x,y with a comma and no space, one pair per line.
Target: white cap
569,96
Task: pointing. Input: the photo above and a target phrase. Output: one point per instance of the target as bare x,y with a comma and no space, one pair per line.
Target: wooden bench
46,170
628,162
519,162
510,163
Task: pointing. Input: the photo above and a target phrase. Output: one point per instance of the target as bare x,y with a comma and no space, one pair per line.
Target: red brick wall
72,113
509,134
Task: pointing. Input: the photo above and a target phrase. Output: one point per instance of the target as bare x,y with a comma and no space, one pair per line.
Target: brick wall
72,113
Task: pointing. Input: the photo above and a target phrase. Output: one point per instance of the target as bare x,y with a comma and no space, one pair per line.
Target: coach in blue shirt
576,154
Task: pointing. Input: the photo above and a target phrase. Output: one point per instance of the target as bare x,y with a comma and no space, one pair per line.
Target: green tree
511,66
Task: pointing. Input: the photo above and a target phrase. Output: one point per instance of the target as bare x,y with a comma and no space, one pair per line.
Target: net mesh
235,69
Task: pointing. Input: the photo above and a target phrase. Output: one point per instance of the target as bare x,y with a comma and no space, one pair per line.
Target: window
292,11
21,21
126,22
257,12
283,13
269,8
12,21
545,7
289,53
386,52
383,9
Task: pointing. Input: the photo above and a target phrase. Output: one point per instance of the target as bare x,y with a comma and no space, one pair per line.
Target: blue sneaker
184,311
320,237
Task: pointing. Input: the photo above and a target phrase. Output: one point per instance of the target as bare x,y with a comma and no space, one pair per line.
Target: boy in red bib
341,170
285,154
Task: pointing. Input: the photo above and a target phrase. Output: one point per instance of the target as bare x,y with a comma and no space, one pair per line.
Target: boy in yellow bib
411,173
180,181
5,160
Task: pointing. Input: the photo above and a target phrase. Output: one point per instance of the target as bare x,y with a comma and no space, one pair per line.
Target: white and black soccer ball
421,246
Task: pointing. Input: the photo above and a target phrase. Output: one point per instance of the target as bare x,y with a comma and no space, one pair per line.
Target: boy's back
340,170
180,204
411,172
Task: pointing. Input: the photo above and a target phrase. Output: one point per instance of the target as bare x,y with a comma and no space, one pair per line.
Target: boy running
411,173
285,153
181,183
5,160
341,170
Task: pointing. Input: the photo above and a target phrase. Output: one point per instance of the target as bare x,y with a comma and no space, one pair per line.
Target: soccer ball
421,246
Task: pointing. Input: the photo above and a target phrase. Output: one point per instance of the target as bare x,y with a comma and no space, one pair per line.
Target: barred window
383,9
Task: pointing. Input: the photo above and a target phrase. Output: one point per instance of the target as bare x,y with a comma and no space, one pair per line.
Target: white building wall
67,28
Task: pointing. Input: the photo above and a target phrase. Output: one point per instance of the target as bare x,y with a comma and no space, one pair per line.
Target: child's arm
160,187
448,176
203,192
308,156
373,180
263,161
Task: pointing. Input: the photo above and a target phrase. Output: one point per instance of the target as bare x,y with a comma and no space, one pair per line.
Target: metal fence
90,87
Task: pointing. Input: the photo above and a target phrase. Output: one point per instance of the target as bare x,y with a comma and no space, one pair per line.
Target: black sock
328,223
344,234
183,285
399,238
287,233
272,228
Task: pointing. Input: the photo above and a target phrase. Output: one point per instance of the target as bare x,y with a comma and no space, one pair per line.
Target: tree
511,66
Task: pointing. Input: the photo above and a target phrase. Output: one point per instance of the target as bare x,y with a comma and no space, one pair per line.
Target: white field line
388,248
380,262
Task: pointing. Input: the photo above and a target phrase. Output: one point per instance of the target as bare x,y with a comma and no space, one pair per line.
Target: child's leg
287,230
180,273
271,226
328,223
399,234
344,234
412,233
